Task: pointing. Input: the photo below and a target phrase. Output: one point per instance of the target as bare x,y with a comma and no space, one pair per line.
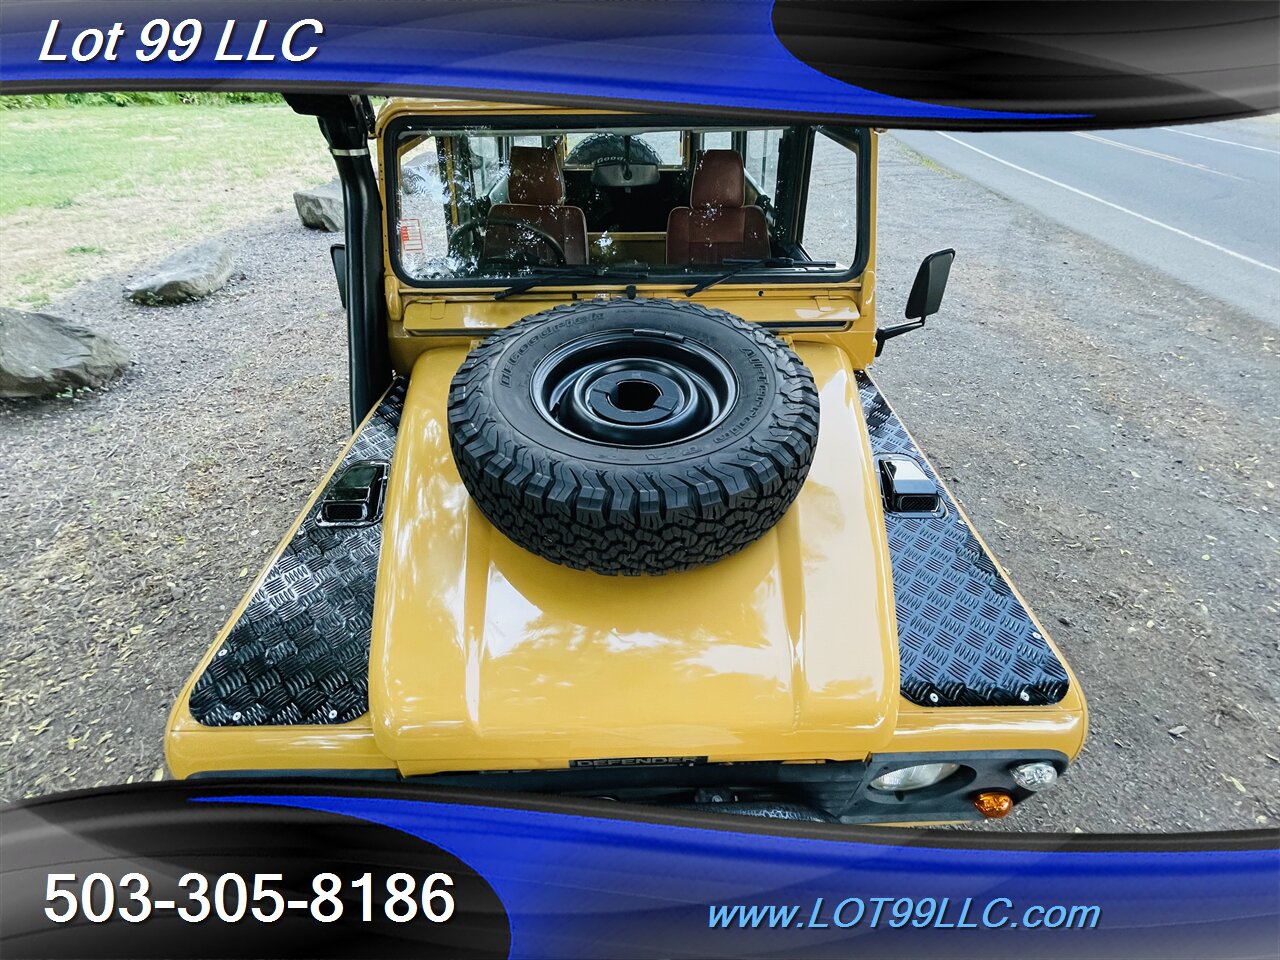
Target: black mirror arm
884,334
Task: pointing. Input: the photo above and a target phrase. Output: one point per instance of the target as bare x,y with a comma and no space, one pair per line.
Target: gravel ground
136,515
1113,437
1112,433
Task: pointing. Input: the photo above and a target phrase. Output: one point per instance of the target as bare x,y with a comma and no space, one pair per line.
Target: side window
423,226
718,140
760,158
831,202
486,166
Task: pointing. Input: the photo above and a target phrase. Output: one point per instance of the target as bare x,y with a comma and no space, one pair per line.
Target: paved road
1200,203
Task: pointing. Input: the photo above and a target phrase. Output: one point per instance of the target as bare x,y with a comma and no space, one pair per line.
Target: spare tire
609,146
633,436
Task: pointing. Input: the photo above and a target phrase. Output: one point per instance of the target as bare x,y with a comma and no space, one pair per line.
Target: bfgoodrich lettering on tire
633,436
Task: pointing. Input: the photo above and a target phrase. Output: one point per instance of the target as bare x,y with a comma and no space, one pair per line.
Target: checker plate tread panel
299,654
964,637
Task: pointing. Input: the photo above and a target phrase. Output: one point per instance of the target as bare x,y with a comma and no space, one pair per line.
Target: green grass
90,190
135,99
51,158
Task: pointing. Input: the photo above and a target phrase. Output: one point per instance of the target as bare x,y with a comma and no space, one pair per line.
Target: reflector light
1034,776
993,803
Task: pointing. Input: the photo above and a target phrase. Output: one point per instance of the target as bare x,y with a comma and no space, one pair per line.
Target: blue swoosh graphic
569,881
713,53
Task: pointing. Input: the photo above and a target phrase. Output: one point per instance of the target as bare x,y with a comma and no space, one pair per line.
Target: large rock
41,355
321,207
188,275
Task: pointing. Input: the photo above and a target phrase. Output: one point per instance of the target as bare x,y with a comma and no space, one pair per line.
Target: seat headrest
535,177
718,181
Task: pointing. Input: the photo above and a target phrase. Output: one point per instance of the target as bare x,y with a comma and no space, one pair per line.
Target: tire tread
626,520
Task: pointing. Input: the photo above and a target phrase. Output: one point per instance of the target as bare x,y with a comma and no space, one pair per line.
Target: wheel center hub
627,389
634,396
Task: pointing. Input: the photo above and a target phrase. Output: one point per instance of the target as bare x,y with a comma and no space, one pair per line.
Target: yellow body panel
795,304
191,748
754,597
487,657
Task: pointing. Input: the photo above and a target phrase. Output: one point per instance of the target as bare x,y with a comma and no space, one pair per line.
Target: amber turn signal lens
993,803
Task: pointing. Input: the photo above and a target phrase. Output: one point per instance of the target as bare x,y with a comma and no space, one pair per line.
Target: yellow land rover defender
623,514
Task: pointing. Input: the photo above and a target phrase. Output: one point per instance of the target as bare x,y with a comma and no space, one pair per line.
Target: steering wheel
524,258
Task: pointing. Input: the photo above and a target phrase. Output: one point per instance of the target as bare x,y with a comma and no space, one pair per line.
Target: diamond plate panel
299,654
964,638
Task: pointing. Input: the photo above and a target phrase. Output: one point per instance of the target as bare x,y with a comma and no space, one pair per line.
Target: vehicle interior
493,203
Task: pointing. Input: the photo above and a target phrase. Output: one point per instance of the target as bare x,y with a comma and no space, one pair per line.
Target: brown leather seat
716,225
535,191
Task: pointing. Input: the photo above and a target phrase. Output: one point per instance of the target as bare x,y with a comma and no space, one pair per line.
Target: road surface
1200,203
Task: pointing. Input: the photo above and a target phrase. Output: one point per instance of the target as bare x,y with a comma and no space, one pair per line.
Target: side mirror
338,254
931,280
926,296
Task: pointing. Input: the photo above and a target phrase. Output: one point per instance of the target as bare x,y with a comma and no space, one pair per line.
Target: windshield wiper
743,266
552,274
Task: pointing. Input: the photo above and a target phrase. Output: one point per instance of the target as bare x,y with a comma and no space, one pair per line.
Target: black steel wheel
634,388
633,437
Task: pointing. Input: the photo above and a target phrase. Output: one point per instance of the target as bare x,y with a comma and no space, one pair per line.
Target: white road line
1233,143
1113,206
1155,153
